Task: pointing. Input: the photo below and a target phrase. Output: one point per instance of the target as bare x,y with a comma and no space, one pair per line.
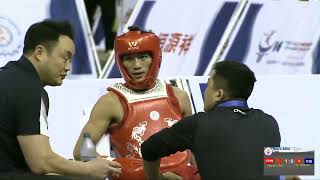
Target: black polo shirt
228,142
23,111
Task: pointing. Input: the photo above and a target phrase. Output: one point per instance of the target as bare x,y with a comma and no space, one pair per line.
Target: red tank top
145,113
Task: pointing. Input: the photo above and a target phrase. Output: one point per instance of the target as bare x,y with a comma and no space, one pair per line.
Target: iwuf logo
268,44
133,45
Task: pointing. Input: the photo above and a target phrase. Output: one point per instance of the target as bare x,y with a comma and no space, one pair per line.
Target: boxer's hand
170,176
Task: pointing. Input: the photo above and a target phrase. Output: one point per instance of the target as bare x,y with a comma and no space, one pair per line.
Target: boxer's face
137,65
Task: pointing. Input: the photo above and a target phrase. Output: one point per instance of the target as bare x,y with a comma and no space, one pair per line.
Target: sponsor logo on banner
269,46
265,45
10,43
177,43
133,45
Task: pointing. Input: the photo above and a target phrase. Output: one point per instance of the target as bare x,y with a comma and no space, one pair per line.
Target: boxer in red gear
132,111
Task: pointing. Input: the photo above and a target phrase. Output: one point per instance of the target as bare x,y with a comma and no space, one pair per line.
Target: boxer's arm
185,106
104,111
184,101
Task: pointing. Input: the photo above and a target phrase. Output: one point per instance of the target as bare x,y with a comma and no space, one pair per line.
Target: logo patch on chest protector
170,121
154,115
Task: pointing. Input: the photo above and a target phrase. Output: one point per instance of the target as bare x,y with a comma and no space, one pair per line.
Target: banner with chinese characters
278,37
189,31
13,26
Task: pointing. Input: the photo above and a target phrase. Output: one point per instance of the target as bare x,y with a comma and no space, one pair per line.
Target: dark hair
235,78
46,33
137,28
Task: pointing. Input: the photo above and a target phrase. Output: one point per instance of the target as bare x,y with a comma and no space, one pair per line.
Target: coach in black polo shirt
227,140
24,105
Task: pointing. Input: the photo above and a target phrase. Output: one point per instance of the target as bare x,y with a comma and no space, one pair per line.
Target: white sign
273,37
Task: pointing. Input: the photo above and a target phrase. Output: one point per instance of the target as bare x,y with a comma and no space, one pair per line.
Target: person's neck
142,90
34,63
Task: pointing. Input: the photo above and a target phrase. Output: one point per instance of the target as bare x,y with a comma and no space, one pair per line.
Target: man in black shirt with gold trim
227,140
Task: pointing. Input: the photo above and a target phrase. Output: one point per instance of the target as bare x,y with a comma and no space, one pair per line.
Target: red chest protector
146,113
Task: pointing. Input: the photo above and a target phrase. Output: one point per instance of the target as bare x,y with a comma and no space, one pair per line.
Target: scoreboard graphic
288,161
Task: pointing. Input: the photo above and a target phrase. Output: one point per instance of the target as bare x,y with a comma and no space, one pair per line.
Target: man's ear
39,52
220,94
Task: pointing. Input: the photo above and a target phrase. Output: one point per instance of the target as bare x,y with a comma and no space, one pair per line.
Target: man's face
137,65
211,95
55,67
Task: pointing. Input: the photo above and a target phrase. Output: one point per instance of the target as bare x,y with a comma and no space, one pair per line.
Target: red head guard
136,41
